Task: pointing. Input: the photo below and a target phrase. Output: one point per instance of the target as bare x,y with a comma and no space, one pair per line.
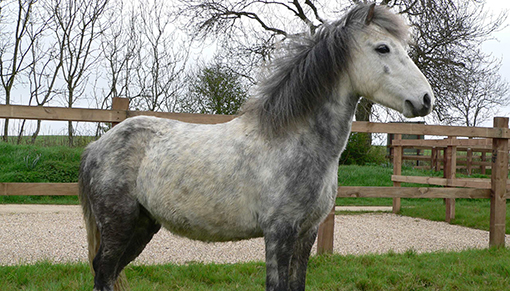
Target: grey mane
305,79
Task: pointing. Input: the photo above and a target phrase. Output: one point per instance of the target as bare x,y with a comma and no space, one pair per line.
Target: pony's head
380,68
363,54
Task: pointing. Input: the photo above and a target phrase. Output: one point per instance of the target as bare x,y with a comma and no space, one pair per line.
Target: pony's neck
332,122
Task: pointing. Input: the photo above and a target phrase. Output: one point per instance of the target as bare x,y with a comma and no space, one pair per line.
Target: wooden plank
499,178
186,117
416,158
472,143
60,113
413,192
422,129
458,182
343,191
419,180
98,115
326,234
15,189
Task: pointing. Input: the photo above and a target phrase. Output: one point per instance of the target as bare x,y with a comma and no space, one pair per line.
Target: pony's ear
370,14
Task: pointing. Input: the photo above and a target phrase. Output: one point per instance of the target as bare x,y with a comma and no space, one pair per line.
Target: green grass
37,164
474,213
26,163
468,270
52,140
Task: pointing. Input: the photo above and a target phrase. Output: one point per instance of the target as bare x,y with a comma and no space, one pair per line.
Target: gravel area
59,236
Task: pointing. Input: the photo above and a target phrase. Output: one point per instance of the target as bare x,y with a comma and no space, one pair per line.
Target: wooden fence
471,153
496,191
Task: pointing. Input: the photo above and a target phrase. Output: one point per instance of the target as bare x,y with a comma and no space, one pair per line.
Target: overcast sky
501,45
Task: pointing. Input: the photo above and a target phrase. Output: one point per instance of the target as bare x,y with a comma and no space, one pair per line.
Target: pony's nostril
426,100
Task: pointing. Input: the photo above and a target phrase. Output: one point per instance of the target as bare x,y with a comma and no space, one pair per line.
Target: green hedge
33,164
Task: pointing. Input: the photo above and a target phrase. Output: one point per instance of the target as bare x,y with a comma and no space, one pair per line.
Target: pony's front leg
280,241
299,260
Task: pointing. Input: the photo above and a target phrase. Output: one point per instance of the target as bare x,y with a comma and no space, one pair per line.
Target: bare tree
13,50
43,66
158,60
249,32
76,29
118,44
480,92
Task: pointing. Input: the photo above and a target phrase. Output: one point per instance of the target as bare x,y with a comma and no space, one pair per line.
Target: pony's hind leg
124,234
146,228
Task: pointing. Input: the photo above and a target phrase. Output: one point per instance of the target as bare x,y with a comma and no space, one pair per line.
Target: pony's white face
382,71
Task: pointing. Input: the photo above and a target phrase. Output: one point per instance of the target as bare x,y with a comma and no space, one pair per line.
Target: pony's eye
382,49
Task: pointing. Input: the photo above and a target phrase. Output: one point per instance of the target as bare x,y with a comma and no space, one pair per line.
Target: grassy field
51,140
469,270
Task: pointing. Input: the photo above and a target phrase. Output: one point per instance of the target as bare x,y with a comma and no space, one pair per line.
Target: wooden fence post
119,104
498,186
436,159
469,161
450,169
433,158
326,234
483,158
397,170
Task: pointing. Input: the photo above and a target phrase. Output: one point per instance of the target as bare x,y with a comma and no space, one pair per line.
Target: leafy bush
359,151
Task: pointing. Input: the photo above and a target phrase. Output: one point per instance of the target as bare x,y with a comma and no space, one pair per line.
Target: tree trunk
22,129
363,113
6,130
6,124
36,132
70,131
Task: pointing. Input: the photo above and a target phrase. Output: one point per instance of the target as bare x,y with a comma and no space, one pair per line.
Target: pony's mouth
423,108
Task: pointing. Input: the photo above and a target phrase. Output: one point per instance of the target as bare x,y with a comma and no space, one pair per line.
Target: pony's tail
93,236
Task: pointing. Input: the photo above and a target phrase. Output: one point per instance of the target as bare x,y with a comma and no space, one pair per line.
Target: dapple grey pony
270,172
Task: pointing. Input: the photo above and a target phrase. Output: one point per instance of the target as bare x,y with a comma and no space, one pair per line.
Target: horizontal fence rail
427,143
412,192
100,115
38,189
70,189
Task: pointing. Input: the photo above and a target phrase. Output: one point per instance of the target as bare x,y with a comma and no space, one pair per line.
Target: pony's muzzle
423,107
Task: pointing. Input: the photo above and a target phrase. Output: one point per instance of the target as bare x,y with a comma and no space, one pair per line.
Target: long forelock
383,17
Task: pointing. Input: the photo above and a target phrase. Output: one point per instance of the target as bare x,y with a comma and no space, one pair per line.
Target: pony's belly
213,235
210,226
